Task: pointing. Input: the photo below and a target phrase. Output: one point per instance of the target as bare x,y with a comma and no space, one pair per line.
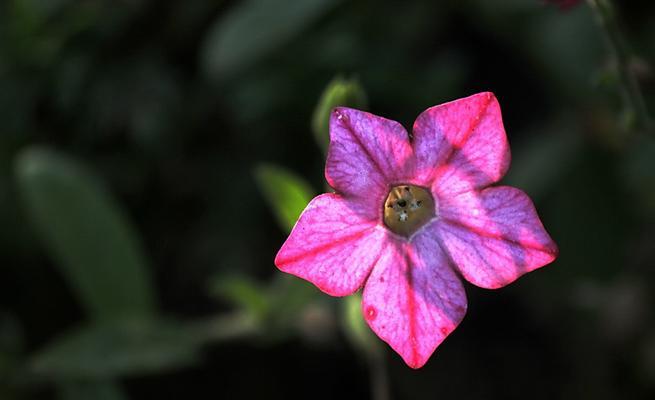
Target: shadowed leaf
86,233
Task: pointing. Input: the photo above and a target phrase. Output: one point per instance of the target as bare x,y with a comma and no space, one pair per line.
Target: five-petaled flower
411,214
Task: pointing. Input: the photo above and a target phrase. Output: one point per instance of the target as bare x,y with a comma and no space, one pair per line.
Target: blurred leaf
243,292
286,193
278,307
539,163
37,31
339,92
356,329
226,327
120,348
96,390
86,233
255,28
289,296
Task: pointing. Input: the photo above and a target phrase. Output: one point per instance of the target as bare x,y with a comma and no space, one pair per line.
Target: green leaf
286,193
86,233
339,92
255,28
243,292
96,390
128,347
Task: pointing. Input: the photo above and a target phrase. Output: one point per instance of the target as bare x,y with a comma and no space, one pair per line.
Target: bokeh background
154,154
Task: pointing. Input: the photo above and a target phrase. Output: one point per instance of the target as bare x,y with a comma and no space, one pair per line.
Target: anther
407,208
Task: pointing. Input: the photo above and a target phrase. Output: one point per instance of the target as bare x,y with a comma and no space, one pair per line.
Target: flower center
408,208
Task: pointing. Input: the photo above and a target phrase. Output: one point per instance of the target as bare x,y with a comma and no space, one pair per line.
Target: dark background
135,130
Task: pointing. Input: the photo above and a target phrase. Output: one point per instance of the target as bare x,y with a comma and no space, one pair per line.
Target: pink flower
413,214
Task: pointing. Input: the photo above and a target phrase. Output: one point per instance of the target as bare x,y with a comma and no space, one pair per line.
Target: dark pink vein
326,246
366,150
490,235
457,146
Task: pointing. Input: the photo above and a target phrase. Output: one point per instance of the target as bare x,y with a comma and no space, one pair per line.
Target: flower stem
379,376
631,93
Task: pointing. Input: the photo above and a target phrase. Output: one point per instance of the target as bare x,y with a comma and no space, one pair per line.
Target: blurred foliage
243,293
87,234
232,43
533,169
11,354
110,350
638,172
137,243
100,390
276,309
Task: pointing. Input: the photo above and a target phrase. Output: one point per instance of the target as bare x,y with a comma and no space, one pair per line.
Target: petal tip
488,95
340,114
416,364
279,259
554,250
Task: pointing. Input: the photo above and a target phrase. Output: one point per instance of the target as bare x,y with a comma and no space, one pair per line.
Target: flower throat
407,208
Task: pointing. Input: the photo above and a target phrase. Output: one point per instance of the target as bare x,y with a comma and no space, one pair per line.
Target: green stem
632,96
379,376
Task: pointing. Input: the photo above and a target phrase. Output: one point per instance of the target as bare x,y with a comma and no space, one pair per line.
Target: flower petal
494,236
461,145
366,154
413,299
332,246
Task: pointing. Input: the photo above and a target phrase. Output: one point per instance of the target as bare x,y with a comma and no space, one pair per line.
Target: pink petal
494,236
413,299
366,154
461,145
332,245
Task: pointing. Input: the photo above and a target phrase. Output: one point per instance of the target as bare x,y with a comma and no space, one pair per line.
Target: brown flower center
408,208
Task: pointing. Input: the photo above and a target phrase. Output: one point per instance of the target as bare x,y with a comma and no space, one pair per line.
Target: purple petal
461,145
366,154
494,236
413,299
332,245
